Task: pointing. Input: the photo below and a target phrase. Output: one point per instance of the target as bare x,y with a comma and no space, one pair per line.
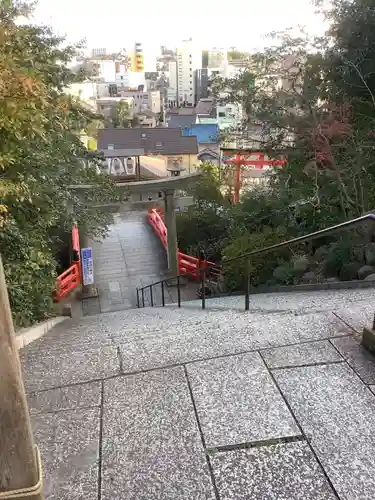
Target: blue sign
87,266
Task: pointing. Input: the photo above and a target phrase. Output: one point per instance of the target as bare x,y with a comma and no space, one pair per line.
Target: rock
370,254
365,271
349,271
370,277
358,253
283,274
321,252
331,280
309,277
301,264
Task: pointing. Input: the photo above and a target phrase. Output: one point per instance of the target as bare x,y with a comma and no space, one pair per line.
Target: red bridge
71,279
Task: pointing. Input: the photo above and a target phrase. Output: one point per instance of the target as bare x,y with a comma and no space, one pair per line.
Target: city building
180,117
217,58
208,140
189,59
201,84
147,119
229,115
157,149
150,100
205,108
86,91
137,58
172,92
101,51
106,104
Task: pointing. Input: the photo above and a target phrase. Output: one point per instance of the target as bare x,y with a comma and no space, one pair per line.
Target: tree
295,111
120,115
41,158
205,225
135,122
312,102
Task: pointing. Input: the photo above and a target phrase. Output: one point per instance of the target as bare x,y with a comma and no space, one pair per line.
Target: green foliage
120,115
205,225
41,158
261,267
312,102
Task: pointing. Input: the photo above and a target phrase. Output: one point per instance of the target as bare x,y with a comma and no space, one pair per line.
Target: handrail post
151,297
162,294
178,291
203,284
247,286
143,297
138,304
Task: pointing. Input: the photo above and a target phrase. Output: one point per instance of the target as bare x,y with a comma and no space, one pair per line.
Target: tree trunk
18,467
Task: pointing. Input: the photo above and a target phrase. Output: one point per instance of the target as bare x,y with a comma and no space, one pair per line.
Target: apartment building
172,92
189,59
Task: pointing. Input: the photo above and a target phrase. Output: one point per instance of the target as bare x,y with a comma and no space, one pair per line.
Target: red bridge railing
186,263
70,279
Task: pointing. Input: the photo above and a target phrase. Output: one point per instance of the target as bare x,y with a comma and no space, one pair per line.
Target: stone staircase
168,403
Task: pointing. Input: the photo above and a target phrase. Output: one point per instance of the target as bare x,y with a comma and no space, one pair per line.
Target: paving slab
69,446
221,335
361,360
66,398
131,256
301,354
278,472
151,442
43,371
299,302
237,401
337,412
74,335
359,314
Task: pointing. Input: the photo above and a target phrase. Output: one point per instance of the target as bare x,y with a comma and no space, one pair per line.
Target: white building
172,88
84,90
130,80
100,51
189,59
144,100
229,115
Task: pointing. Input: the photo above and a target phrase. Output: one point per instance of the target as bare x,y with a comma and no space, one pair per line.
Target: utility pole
19,458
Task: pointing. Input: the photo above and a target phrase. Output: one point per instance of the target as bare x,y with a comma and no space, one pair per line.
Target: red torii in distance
240,158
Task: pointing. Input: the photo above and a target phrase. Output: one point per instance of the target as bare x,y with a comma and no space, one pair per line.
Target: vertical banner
87,266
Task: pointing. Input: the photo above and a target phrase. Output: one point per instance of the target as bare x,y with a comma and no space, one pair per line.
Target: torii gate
166,185
241,157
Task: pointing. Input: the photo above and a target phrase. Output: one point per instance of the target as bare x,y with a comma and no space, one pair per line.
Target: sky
219,23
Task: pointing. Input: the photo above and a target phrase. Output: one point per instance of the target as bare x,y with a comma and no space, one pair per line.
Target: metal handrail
248,255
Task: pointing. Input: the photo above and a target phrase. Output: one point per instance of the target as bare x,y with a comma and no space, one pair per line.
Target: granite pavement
131,256
277,403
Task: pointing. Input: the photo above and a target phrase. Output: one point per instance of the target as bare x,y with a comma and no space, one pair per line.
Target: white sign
87,266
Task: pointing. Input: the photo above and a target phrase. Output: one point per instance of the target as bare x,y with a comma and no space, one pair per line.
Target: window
221,114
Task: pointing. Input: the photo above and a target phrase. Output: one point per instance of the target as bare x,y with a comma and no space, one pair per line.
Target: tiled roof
182,121
205,133
164,141
204,107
